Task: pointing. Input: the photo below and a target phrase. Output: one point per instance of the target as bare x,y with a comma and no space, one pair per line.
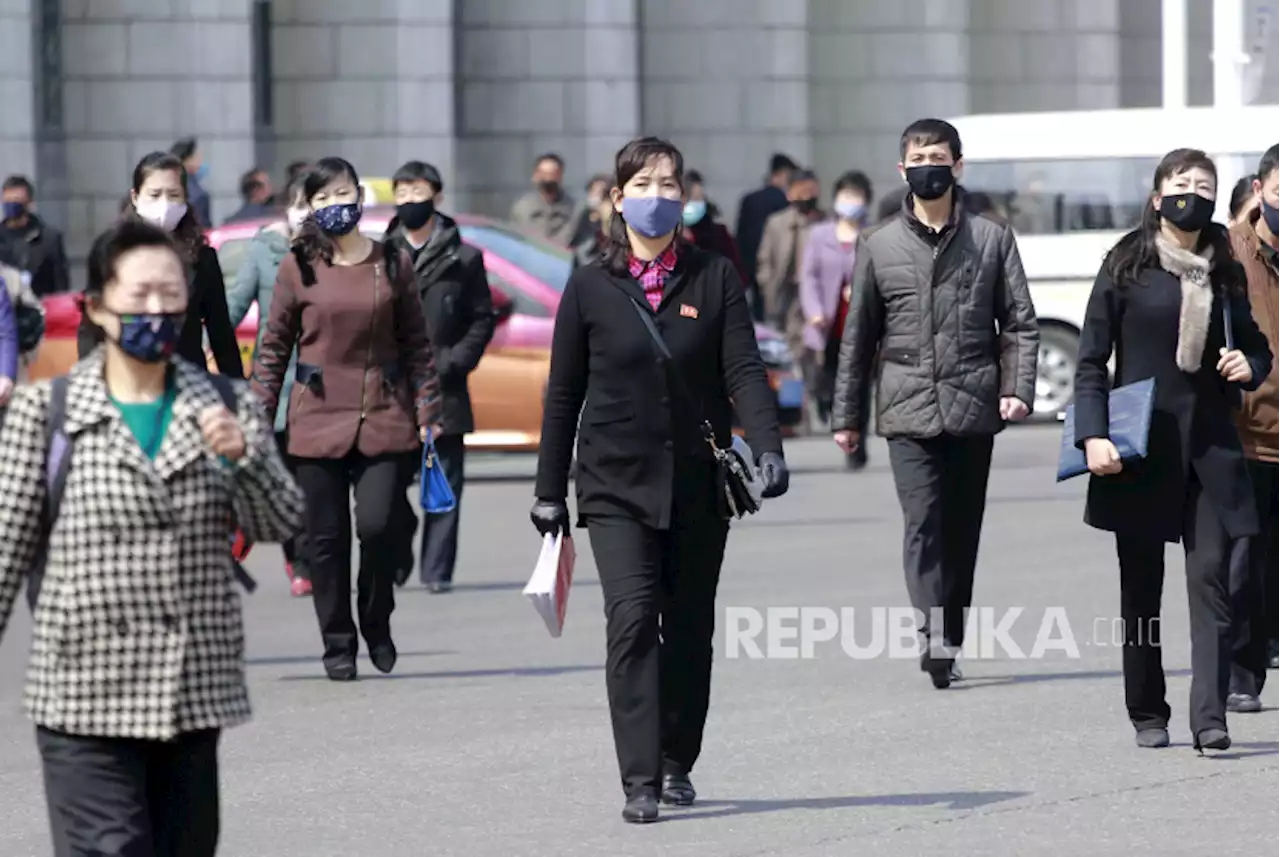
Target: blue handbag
1129,418
436,496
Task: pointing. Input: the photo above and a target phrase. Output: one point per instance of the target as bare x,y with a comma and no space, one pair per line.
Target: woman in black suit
1162,303
646,479
159,196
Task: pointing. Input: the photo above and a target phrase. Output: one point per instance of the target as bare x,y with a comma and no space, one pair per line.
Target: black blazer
1192,425
207,309
639,449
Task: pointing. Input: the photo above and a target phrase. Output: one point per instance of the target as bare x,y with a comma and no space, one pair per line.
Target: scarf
1197,299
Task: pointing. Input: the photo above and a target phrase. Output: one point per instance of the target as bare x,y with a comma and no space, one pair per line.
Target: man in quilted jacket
940,296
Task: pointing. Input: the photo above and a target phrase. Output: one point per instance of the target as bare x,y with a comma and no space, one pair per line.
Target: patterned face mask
338,219
150,337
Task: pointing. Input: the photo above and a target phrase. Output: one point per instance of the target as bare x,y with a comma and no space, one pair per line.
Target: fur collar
1197,298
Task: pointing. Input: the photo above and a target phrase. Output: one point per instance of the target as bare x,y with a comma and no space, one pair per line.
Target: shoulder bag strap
57,461
705,428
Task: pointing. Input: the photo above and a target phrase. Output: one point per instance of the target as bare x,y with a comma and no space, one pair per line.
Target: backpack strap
57,463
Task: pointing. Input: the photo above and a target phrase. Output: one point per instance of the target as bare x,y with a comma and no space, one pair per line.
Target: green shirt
149,421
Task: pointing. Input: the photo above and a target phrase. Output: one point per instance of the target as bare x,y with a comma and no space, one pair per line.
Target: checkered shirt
137,632
653,274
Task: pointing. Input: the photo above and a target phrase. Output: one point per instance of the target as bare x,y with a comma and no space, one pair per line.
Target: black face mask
550,188
1189,212
805,206
930,181
414,215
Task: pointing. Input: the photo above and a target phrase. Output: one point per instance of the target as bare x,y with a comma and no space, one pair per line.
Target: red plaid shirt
653,274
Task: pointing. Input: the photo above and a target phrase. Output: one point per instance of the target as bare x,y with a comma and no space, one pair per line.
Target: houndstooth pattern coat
137,631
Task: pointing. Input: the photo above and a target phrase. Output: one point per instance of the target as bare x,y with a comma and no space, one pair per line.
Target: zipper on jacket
368,354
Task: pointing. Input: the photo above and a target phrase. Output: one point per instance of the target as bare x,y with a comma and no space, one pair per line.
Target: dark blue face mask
150,337
338,219
1271,216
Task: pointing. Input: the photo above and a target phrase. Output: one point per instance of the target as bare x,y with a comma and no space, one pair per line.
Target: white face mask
163,213
296,216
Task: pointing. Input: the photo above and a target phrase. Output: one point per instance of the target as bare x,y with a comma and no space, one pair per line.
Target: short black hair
601,178
184,148
854,180
250,182
418,171
1267,165
126,235
802,176
548,156
1240,194
930,132
693,177
780,163
295,169
17,181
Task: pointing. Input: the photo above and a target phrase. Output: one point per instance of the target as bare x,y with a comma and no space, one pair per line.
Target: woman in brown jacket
366,392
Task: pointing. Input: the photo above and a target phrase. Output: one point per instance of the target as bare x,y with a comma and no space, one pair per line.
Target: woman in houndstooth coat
137,657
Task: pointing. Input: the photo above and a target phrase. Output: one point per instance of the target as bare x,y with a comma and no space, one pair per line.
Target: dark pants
120,797
659,684
1253,587
379,489
942,488
440,532
1210,553
295,548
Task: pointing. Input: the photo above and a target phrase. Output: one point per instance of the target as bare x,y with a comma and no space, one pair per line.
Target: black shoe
343,670
439,587
1243,703
1273,654
383,656
857,460
1153,738
641,809
1212,739
678,790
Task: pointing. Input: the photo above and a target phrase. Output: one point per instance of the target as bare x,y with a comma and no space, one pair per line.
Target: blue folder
1128,427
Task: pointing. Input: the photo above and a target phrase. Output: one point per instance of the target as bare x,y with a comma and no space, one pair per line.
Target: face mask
414,215
652,216
1271,216
852,211
930,181
163,213
1189,212
805,206
150,337
296,216
694,211
14,210
548,187
338,219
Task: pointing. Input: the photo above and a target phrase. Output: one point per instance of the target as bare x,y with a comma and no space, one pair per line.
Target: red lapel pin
688,311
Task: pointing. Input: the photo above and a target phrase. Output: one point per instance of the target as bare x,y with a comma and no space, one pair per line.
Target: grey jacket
255,281
950,316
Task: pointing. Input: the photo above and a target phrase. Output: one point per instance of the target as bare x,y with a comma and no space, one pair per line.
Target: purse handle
706,429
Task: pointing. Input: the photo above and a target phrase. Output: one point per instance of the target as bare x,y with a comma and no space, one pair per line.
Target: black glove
550,517
774,474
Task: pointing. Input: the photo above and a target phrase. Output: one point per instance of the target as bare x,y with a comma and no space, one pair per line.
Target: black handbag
734,475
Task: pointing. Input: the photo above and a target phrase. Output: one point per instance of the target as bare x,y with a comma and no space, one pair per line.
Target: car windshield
546,262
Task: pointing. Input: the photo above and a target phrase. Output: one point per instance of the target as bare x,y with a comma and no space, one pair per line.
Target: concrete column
17,91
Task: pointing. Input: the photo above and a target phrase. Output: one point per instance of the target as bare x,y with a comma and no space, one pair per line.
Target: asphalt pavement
491,738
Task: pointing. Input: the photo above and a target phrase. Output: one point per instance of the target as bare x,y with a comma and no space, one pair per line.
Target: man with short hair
255,196
547,210
458,308
30,244
940,297
188,151
779,261
754,210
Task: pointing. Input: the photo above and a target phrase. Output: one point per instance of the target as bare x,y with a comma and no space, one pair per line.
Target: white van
1072,183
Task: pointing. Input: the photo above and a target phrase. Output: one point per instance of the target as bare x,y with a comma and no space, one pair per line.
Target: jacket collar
445,241
89,405
685,266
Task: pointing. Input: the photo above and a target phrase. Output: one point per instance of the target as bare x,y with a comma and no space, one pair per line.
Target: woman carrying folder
1170,304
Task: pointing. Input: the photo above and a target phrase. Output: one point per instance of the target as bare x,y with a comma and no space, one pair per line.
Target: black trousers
659,603
295,548
1253,587
1210,555
378,484
439,550
119,797
942,488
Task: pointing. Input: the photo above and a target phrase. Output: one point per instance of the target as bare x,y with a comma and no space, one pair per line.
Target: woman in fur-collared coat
1170,303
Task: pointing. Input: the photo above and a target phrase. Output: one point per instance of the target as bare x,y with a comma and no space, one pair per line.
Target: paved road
493,739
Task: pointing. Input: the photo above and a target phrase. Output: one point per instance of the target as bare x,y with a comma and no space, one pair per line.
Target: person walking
1161,305
646,478
702,226
547,211
255,283
940,305
187,150
159,196
754,209
786,234
36,247
825,273
454,290
1255,243
137,663
257,199
365,396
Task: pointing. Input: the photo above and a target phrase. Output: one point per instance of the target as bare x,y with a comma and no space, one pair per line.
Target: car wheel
1055,372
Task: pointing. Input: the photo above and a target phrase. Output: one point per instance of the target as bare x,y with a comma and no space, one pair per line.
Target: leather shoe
640,809
1212,739
677,790
1153,738
1243,703
343,670
383,656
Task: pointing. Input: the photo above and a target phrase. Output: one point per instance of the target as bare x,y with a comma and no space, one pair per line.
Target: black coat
458,308
1192,423
38,249
755,209
206,309
639,449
